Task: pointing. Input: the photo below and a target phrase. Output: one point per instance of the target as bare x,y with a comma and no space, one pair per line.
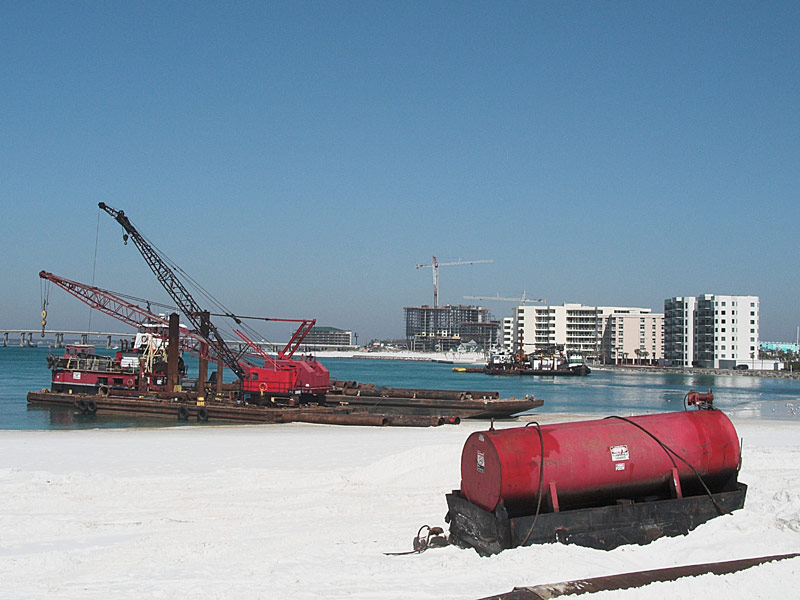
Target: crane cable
94,265
197,287
541,481
209,297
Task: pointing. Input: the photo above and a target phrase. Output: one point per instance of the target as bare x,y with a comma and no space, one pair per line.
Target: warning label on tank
481,462
619,453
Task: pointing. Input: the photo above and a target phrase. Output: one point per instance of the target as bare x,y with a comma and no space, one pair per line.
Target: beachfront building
632,336
443,328
328,336
679,331
508,332
712,331
606,334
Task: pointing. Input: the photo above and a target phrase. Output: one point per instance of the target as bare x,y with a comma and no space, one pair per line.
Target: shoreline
472,358
697,371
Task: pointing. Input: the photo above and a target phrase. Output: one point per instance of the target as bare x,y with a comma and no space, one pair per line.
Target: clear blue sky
299,159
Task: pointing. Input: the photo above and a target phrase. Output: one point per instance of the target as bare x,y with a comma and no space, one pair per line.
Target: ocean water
601,393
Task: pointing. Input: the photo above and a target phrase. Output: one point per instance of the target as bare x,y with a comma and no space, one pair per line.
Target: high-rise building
443,328
679,331
608,334
712,330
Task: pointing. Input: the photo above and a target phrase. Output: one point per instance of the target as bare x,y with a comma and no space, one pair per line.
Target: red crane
280,378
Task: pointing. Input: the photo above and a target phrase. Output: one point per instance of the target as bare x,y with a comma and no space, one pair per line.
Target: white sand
306,511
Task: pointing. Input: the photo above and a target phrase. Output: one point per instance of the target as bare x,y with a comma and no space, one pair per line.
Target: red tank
594,463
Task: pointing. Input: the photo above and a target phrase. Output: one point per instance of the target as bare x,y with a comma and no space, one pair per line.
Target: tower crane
281,377
435,266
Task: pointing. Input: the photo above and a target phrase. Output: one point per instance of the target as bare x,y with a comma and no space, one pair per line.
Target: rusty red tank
594,463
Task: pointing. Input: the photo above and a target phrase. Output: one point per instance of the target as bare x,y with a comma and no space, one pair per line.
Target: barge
185,407
88,383
465,404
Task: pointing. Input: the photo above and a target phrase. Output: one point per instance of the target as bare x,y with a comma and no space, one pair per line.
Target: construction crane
522,300
435,266
282,378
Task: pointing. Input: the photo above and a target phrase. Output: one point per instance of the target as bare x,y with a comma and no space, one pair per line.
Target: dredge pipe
338,419
422,420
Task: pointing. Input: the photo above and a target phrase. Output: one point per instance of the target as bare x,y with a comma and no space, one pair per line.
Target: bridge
27,340
26,336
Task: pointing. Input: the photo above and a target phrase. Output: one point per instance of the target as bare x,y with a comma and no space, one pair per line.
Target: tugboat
554,363
80,370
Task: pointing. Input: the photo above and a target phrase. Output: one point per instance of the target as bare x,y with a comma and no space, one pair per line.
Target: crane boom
522,300
129,313
176,290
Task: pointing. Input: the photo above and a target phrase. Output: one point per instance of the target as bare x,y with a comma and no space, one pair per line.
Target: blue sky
300,158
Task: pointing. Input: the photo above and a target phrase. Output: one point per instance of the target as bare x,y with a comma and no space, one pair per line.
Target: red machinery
599,483
282,375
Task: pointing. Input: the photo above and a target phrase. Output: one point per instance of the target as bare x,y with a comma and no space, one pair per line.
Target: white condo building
712,331
608,334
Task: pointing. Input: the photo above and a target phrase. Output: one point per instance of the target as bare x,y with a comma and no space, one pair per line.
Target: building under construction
443,328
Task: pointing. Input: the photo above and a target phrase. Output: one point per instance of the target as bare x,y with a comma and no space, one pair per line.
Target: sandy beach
307,511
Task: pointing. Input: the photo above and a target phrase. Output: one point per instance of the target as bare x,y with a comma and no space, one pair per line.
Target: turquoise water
602,393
